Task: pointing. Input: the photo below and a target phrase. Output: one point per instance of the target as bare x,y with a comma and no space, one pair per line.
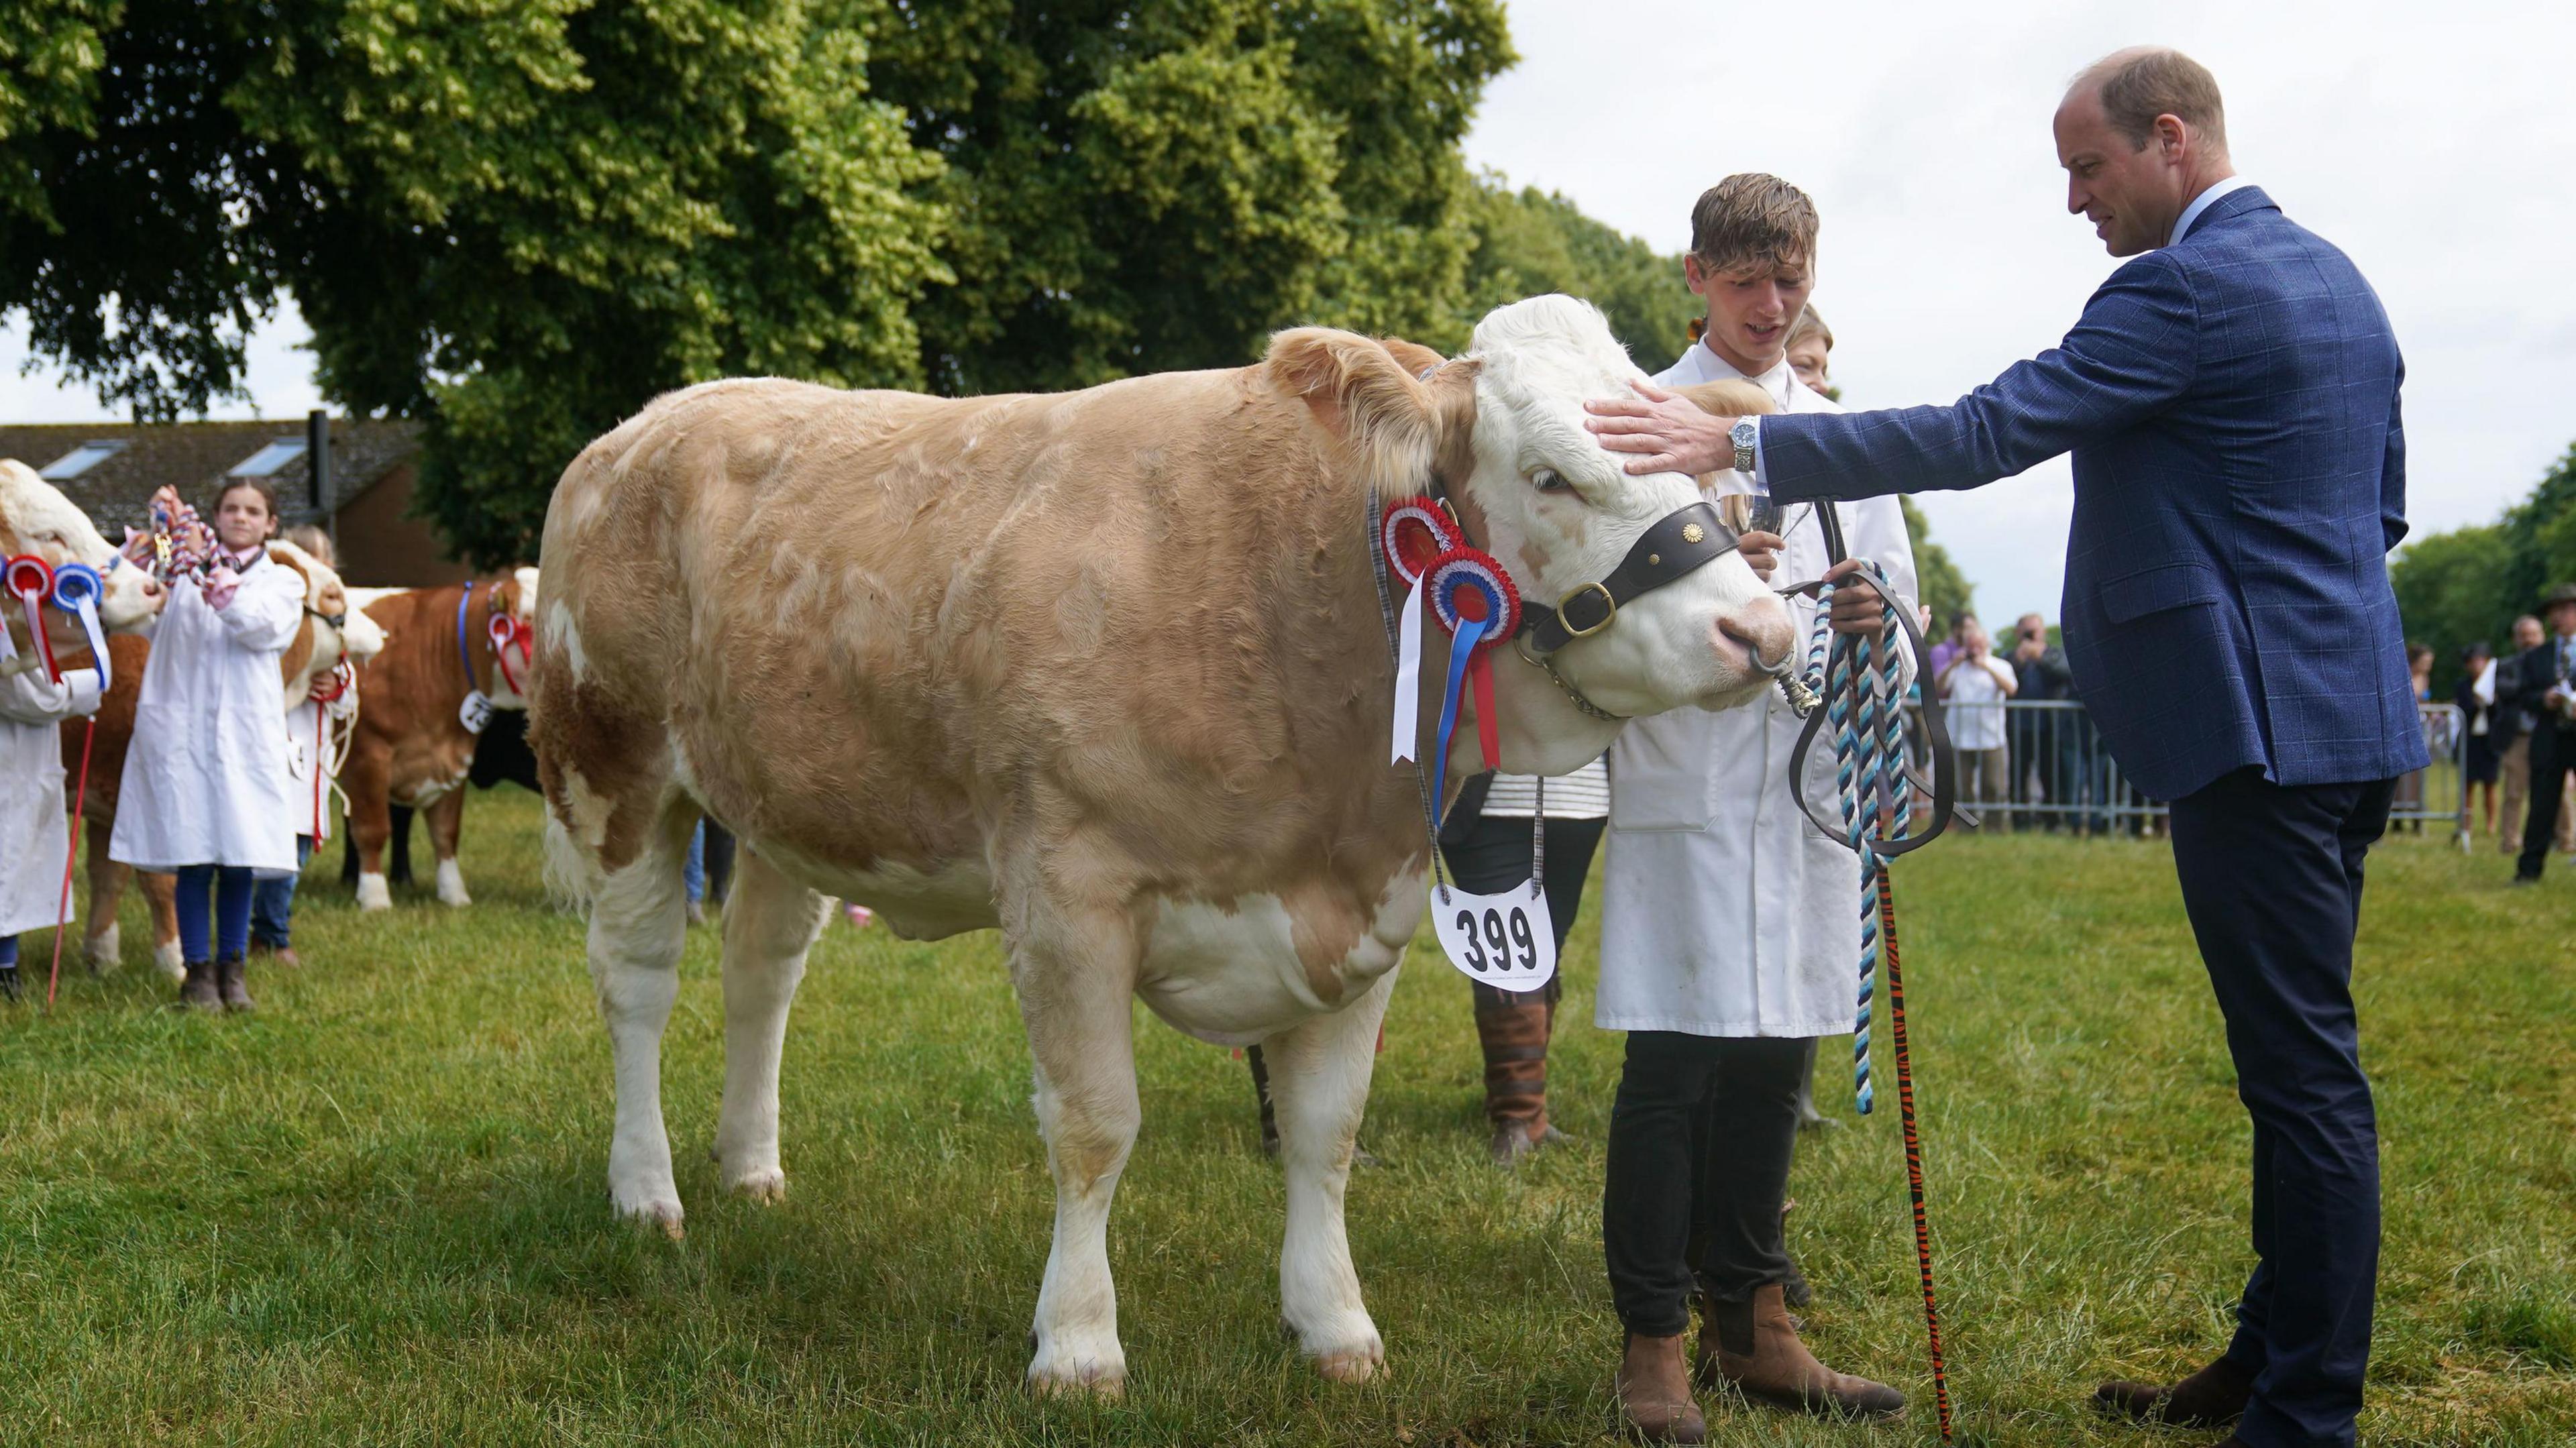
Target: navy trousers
2271,877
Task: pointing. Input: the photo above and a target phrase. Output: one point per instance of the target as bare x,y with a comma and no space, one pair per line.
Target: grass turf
374,1213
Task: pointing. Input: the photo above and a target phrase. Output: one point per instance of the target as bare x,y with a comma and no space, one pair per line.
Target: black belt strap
1683,541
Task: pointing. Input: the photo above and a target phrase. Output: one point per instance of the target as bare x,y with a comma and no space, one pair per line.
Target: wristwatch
1743,434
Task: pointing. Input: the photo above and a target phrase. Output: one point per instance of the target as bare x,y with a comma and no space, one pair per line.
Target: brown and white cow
332,631
35,518
1104,669
412,746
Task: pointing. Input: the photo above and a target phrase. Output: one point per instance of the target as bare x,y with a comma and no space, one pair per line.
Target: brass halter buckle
1596,586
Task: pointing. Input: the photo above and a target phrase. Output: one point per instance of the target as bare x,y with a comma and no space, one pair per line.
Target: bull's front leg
103,942
1075,976
446,830
367,778
1319,1078
638,924
161,894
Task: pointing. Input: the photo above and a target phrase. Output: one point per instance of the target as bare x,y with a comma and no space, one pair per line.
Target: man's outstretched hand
1664,433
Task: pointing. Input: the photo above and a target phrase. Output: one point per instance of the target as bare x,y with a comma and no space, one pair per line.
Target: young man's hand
1762,550
1666,433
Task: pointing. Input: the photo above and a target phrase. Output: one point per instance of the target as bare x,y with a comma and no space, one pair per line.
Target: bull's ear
1386,420
1413,357
1729,397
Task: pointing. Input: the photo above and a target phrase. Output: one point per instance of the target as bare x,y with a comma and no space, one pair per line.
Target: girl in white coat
208,759
1730,926
35,840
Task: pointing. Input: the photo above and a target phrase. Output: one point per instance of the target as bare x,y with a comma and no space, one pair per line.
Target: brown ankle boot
1514,1034
228,985
197,988
2214,1397
1756,1349
1655,1403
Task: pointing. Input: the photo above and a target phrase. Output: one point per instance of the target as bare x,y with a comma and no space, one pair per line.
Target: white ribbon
1408,675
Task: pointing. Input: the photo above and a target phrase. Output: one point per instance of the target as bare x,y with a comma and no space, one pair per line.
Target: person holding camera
1975,685
2541,685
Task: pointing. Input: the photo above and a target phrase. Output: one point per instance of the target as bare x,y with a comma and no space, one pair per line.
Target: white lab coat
1724,913
35,834
205,777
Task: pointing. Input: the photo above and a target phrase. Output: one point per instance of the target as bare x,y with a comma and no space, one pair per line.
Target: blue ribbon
1461,649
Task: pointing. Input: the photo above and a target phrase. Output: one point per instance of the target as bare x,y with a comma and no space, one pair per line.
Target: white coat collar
1777,381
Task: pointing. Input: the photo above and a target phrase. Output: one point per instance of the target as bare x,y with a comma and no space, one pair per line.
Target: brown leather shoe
197,989
1754,1347
228,985
1655,1404
2214,1397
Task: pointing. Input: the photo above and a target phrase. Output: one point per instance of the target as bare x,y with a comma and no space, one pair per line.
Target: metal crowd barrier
2062,778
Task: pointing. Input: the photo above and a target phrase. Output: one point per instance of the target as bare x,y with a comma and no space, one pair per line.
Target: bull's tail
572,872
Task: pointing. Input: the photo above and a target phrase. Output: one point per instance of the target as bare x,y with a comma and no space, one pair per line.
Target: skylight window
80,460
265,462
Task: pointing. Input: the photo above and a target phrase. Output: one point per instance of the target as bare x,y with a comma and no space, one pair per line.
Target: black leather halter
1685,540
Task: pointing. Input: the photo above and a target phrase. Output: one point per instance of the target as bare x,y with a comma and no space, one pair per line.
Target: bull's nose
1761,628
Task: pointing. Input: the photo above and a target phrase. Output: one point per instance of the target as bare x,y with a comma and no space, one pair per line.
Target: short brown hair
1750,219
2140,85
267,494
1811,323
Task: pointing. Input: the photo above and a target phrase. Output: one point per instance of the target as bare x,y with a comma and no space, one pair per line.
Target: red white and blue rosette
1468,586
1415,532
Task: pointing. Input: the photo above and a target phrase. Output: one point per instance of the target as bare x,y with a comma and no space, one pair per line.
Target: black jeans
2553,756
2271,877
1493,854
1699,1165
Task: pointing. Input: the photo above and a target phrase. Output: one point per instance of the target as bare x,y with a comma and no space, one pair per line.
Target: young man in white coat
1730,927
35,836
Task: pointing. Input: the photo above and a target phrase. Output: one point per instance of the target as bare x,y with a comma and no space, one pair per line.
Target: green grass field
375,1213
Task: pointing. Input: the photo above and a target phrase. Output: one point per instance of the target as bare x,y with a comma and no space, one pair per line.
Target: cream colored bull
35,518
1103,669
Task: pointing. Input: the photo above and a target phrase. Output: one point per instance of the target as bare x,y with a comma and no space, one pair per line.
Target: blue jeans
693,875
8,950
272,902
230,885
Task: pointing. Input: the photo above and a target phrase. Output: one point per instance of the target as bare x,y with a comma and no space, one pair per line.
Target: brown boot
2214,1397
197,988
1655,1403
1514,1031
228,985
1756,1349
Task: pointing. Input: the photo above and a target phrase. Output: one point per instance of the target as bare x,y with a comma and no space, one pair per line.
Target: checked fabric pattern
2232,405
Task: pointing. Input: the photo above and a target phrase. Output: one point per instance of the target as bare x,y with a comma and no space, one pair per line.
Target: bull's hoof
167,960
1068,1366
451,885
662,1214
766,1185
1350,1352
105,950
373,893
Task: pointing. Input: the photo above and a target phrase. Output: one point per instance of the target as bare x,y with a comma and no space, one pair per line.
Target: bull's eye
1546,481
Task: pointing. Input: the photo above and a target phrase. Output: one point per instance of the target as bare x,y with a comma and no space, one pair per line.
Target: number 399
1500,938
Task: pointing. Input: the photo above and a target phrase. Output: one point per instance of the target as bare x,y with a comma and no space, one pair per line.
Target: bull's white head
36,518
1501,431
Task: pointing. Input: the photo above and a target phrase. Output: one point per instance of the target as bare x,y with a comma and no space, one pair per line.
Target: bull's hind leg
161,893
638,922
769,925
1075,974
1319,1077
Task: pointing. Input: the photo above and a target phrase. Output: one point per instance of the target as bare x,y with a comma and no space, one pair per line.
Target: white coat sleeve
265,617
31,698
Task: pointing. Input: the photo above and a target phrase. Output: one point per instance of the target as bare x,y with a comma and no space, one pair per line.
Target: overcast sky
2436,144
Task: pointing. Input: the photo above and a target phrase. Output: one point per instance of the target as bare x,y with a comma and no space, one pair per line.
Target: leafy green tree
1141,185
1531,241
2455,589
516,219
1936,575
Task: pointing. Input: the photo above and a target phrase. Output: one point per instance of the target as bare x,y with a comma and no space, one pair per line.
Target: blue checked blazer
2231,401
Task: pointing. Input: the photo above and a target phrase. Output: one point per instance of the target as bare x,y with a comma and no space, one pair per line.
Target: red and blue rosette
1414,532
29,579
1474,599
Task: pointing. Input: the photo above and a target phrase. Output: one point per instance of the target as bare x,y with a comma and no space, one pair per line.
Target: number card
475,712
1505,941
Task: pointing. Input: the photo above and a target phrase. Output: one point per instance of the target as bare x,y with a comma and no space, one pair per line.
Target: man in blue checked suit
2231,400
